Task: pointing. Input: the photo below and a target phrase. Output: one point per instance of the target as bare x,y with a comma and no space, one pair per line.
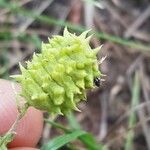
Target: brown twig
137,23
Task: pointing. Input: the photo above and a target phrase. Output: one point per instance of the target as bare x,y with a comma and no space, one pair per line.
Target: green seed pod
57,78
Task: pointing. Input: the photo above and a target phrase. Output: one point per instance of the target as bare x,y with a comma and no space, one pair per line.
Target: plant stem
132,119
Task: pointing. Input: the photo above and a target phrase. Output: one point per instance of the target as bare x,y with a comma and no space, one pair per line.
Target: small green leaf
3,147
60,141
4,140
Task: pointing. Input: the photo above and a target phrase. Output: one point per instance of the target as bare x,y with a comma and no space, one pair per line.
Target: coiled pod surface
56,80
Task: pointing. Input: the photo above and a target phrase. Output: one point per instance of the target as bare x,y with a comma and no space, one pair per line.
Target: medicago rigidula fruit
56,80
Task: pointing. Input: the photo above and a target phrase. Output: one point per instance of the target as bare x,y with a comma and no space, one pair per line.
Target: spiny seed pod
57,78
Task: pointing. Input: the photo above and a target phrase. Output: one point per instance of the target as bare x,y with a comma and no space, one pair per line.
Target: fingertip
23,148
30,127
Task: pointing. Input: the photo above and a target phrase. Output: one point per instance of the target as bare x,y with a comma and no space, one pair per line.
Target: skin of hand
30,127
23,148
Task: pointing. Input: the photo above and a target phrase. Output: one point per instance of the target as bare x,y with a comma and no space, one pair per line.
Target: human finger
23,148
30,127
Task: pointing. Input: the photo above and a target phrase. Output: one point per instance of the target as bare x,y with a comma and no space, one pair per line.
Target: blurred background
118,112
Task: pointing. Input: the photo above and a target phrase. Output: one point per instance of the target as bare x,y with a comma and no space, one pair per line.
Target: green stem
132,119
9,136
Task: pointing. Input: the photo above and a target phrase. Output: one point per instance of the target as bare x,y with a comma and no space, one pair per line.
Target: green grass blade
132,118
87,139
72,121
62,140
